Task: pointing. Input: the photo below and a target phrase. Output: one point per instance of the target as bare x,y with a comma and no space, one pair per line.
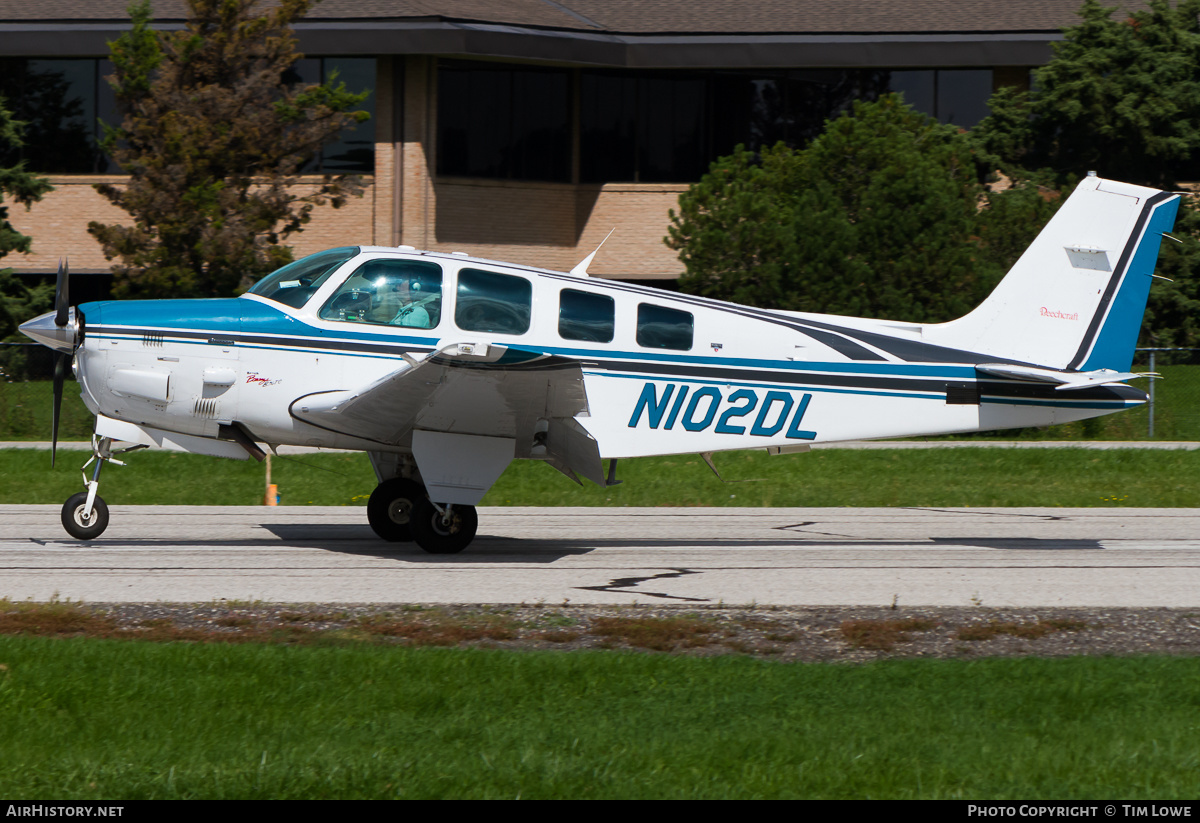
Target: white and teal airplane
444,368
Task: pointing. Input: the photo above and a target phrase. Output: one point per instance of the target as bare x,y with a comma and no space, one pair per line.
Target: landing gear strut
443,529
400,510
85,515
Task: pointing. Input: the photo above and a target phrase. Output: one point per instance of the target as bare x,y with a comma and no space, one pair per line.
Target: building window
957,96
668,126
63,101
585,316
503,122
59,101
354,150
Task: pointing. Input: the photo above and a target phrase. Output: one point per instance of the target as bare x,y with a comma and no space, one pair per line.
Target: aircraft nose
44,330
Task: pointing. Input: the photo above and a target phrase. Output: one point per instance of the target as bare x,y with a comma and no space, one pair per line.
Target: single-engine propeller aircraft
443,368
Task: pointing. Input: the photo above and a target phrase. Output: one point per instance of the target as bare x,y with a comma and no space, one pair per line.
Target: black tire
389,510
437,536
74,522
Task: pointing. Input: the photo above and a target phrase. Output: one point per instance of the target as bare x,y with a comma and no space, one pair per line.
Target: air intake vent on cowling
205,407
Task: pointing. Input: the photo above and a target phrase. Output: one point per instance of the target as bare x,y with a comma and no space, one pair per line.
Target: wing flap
470,389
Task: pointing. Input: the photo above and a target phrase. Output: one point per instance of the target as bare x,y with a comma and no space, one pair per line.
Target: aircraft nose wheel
79,522
448,531
389,509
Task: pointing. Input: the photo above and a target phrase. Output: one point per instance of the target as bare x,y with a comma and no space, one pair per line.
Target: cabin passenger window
389,292
493,302
585,316
662,328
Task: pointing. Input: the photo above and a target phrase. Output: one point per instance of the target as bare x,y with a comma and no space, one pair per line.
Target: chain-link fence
1173,412
25,361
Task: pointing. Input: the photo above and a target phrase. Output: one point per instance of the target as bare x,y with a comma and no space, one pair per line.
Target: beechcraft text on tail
444,368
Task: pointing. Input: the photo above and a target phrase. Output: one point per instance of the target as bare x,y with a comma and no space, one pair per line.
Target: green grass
171,478
836,477
92,719
1176,415
25,411
885,477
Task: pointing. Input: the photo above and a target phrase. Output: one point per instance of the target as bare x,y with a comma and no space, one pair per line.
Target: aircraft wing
471,389
1064,381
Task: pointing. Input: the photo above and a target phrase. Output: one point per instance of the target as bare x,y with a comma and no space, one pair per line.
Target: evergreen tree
18,302
1121,96
214,142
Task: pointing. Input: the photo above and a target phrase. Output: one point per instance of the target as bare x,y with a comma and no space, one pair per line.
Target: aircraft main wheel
390,508
437,534
75,521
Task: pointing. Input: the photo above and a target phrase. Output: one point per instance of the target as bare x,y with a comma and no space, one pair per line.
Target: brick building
525,130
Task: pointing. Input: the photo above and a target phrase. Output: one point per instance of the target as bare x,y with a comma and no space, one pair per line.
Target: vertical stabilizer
1075,298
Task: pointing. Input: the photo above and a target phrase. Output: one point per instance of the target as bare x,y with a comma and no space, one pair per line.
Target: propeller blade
60,370
62,302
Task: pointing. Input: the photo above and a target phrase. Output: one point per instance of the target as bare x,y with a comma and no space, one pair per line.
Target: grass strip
107,719
950,477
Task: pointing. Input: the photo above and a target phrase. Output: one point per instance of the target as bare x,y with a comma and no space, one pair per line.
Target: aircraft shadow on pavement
361,541
1021,543
510,549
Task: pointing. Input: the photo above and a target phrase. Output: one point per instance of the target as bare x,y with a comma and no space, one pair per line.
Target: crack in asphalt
624,584
796,526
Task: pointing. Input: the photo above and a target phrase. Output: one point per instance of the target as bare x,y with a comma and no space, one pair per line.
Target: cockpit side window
389,292
661,328
583,315
492,302
296,282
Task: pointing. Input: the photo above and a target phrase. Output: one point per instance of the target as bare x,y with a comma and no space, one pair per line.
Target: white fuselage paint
750,379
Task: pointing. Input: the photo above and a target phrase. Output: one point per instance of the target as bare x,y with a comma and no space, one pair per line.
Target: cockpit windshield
296,282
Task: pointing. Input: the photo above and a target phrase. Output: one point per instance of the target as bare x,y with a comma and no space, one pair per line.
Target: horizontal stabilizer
1066,381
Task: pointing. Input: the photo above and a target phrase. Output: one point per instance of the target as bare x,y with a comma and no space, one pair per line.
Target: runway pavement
802,556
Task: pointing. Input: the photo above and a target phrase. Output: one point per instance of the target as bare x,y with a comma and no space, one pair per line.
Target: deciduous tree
883,215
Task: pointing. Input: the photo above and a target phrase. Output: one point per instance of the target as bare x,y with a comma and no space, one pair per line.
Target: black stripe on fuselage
988,388
226,339
840,338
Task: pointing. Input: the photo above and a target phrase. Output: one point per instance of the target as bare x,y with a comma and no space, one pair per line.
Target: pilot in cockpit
415,313
389,292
